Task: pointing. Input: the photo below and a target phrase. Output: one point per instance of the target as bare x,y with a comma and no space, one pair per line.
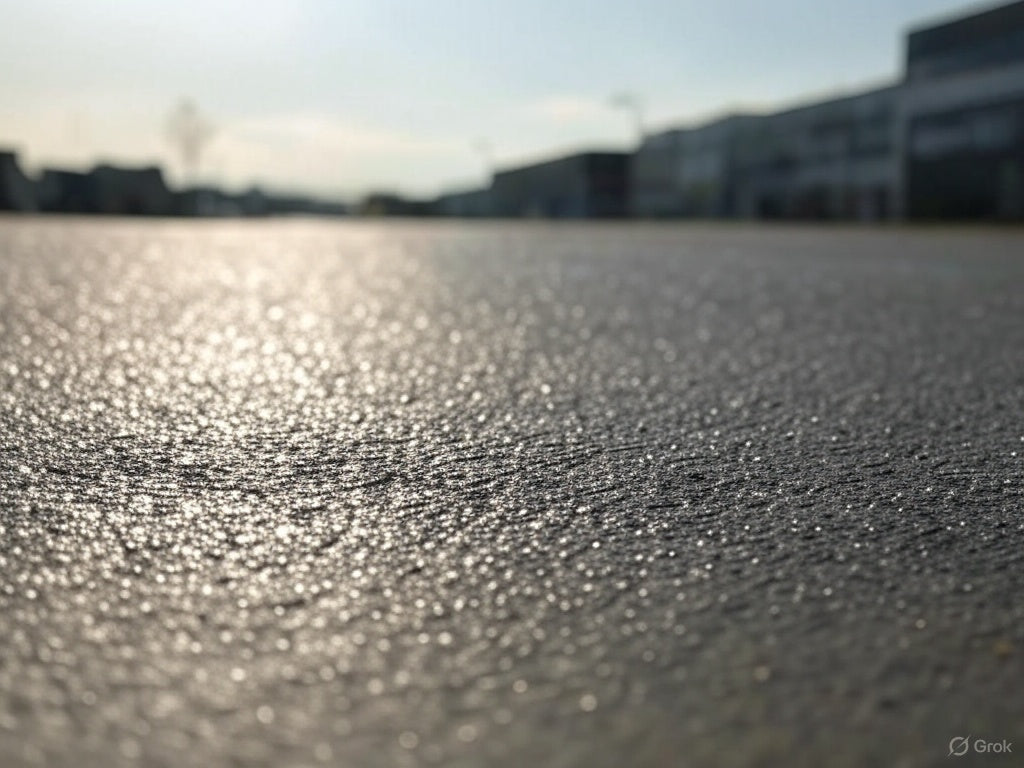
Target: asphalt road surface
297,493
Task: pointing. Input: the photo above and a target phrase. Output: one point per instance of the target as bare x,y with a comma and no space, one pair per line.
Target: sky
342,97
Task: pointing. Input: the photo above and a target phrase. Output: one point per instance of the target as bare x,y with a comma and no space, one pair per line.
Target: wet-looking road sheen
352,494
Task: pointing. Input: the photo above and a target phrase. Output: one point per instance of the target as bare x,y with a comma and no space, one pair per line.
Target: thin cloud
567,109
327,134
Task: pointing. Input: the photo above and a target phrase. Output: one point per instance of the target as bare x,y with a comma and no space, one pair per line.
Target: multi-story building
962,117
690,171
945,142
835,159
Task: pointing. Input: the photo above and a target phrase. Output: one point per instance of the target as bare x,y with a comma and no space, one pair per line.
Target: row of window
989,130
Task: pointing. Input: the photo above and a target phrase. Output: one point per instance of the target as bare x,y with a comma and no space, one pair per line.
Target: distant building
254,202
470,203
131,191
963,117
654,177
389,204
62,191
17,192
292,205
108,190
590,185
835,159
689,171
946,142
206,201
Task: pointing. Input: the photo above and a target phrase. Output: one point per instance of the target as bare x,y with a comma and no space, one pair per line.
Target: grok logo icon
961,745
958,746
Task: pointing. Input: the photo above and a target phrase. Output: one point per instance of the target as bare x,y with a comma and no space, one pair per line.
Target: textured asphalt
354,494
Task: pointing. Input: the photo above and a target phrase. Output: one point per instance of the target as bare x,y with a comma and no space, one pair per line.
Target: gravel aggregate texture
313,493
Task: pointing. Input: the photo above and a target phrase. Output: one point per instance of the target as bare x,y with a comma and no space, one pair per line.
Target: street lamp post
485,150
630,102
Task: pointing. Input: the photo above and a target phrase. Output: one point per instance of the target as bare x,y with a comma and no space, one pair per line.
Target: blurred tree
190,132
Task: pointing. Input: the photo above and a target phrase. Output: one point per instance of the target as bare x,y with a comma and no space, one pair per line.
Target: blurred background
658,108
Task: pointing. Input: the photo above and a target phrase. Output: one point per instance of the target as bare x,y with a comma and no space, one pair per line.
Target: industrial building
690,171
466,203
585,185
946,141
830,160
963,117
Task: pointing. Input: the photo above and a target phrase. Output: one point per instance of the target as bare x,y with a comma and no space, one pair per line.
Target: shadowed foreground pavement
297,493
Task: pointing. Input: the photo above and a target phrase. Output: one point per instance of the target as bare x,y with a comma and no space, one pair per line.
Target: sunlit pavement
296,493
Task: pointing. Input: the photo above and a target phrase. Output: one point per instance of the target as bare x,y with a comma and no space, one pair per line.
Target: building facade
106,190
61,191
468,203
946,141
829,160
655,185
589,185
17,192
835,159
690,171
131,191
962,118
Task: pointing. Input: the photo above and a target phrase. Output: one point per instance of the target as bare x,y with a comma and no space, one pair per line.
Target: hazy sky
343,96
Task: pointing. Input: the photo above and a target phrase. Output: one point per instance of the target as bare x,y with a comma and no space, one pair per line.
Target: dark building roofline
705,123
982,16
807,104
459,191
62,173
107,167
564,158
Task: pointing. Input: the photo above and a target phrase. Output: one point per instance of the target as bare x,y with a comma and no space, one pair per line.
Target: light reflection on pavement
300,493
